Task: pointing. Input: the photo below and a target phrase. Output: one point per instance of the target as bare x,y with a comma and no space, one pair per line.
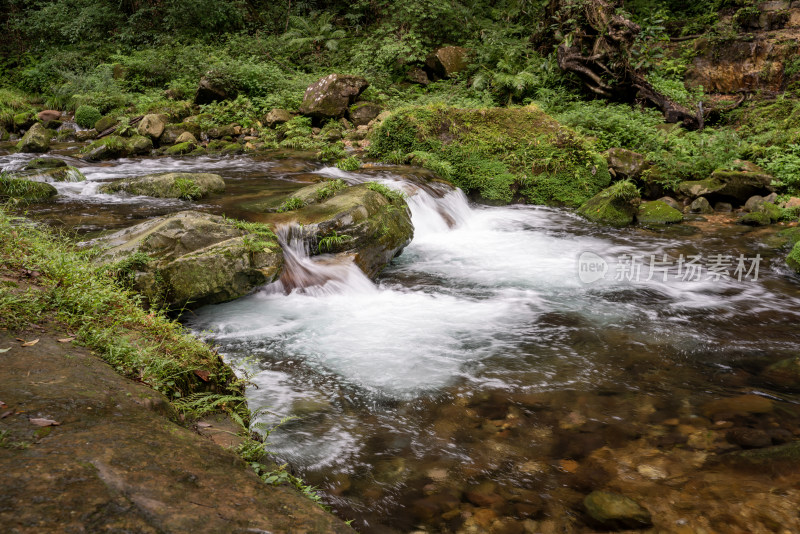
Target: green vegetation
349,164
333,241
188,189
87,116
291,204
394,197
330,189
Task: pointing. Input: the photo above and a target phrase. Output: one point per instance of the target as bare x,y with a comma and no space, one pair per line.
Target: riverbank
91,434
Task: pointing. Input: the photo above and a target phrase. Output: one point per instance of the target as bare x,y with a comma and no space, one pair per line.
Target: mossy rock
305,196
496,154
616,511
765,214
58,174
193,259
24,120
36,139
188,186
173,131
105,123
793,259
377,228
44,163
657,212
180,149
140,145
614,206
26,190
110,147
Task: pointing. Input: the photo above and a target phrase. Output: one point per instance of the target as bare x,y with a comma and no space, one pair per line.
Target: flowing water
478,381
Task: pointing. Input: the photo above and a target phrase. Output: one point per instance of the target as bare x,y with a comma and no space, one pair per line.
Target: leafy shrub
86,116
349,164
291,204
784,165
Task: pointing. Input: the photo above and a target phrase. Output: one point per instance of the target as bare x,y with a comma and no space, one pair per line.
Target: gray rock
418,76
700,205
723,207
194,258
36,139
189,186
329,97
446,61
626,163
153,125
672,203
211,89
362,113
277,116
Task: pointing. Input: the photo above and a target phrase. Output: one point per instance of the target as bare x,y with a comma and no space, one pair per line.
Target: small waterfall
321,275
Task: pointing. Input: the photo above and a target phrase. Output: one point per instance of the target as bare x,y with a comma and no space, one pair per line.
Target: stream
509,361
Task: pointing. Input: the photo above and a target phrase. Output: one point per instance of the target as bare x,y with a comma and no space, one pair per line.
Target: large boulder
36,139
153,125
737,185
614,206
626,163
26,190
658,212
277,116
188,186
329,97
362,113
173,131
446,61
211,89
49,115
368,221
110,147
192,258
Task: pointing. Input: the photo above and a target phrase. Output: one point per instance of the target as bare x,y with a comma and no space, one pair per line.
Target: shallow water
480,362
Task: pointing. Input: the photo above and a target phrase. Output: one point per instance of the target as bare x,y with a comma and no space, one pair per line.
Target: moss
756,218
25,190
613,206
180,149
87,116
44,163
497,153
793,259
657,212
106,148
105,123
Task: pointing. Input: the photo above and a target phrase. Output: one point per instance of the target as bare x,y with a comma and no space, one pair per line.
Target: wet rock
378,227
762,214
110,147
793,259
785,373
173,132
189,186
153,125
484,495
362,113
36,139
743,404
307,406
194,258
749,438
45,163
753,203
277,116
24,120
700,205
626,163
331,96
220,132
186,137
418,76
616,511
105,123
740,184
85,135
140,145
181,149
446,61
212,89
19,188
657,212
56,174
614,206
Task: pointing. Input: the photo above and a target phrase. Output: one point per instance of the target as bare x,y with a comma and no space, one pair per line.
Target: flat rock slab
115,462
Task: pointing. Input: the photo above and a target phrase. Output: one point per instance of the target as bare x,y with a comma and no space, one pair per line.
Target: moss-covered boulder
181,149
616,511
140,145
188,186
173,132
105,123
496,154
329,97
26,190
614,206
44,163
369,221
763,214
738,184
110,147
36,139
657,212
793,259
626,163
301,198
701,205
192,258
24,120
277,116
55,174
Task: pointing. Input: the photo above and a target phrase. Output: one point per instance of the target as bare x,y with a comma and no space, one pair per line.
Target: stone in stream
44,163
761,213
739,184
188,186
192,258
700,205
26,190
657,212
616,511
614,206
153,125
36,139
54,174
369,221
